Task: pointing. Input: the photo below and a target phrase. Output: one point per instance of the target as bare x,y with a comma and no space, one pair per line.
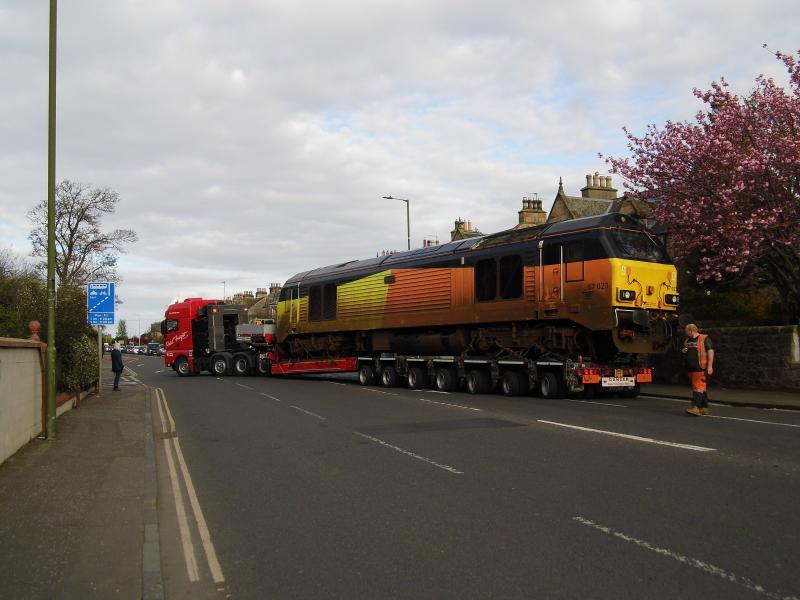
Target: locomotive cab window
511,277
574,257
485,280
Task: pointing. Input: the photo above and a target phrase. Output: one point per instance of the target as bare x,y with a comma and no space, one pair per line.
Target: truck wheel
263,366
445,379
389,377
219,366
550,386
477,382
511,383
241,365
417,378
182,367
366,375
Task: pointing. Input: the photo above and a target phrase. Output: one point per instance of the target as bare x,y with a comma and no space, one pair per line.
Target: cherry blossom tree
727,186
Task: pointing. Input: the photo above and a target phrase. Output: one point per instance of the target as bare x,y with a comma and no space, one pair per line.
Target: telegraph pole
50,426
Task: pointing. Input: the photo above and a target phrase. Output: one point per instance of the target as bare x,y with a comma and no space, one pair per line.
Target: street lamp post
408,216
223,291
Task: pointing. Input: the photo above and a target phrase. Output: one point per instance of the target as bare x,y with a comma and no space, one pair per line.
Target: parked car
153,349
141,349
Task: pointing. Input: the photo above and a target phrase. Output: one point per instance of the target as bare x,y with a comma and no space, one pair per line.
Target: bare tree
83,251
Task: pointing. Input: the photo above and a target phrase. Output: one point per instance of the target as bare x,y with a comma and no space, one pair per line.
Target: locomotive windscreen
638,245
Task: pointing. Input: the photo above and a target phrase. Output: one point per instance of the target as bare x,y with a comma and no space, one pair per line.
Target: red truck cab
177,330
202,334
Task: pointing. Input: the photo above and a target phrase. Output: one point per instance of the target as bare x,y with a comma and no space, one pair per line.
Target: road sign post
100,311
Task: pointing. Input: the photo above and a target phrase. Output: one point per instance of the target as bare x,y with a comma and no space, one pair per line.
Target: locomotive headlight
672,299
626,295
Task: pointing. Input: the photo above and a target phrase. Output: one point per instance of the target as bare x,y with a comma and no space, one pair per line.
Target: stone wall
20,394
765,358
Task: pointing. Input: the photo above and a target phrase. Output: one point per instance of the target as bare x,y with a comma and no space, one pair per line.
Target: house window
485,280
511,277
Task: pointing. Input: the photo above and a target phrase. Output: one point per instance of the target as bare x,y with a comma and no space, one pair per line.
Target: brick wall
766,358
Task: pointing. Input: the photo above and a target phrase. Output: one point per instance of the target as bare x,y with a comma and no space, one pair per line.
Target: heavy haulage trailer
567,308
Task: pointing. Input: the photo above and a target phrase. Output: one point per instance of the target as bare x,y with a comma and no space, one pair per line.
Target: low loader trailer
209,335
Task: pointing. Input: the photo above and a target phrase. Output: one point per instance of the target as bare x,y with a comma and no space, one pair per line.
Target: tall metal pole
223,291
51,232
408,224
99,358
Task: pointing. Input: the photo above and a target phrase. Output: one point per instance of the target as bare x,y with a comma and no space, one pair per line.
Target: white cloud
253,139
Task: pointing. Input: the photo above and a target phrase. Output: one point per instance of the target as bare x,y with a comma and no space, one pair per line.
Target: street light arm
408,215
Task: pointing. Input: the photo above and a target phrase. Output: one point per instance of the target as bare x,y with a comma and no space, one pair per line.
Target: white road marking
433,392
379,391
161,371
411,454
308,412
183,524
636,438
219,379
687,560
247,387
336,383
270,397
602,403
751,420
448,404
205,536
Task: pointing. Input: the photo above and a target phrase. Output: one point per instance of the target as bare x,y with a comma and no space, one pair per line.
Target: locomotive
600,288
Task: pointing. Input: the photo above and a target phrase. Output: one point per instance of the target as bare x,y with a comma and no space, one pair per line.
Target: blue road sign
100,303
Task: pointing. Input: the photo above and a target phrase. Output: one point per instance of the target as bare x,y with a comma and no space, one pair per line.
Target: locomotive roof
500,238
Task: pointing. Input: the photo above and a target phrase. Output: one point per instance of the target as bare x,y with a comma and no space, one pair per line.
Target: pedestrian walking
699,357
116,364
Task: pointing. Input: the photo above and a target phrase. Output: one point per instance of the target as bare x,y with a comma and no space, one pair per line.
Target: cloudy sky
251,139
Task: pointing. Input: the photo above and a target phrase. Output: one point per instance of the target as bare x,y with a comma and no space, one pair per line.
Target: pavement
78,515
731,397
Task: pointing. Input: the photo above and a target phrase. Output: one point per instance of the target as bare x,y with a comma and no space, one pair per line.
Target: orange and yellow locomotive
597,287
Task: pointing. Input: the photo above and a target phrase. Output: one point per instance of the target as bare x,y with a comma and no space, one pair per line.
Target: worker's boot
697,399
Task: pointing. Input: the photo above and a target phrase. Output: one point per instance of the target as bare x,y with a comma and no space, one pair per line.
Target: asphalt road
320,488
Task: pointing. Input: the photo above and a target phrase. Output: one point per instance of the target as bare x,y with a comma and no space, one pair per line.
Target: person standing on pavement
116,365
699,356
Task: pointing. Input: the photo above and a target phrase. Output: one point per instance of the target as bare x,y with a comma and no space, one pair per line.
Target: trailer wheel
219,366
445,379
512,383
263,366
477,382
366,375
182,367
417,378
550,386
389,376
241,365
632,392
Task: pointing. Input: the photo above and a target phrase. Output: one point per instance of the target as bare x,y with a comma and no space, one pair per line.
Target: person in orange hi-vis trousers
699,356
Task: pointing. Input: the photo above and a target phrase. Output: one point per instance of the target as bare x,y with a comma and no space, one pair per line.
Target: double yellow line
172,446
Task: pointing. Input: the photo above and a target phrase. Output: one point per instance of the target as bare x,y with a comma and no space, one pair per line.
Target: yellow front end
645,303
